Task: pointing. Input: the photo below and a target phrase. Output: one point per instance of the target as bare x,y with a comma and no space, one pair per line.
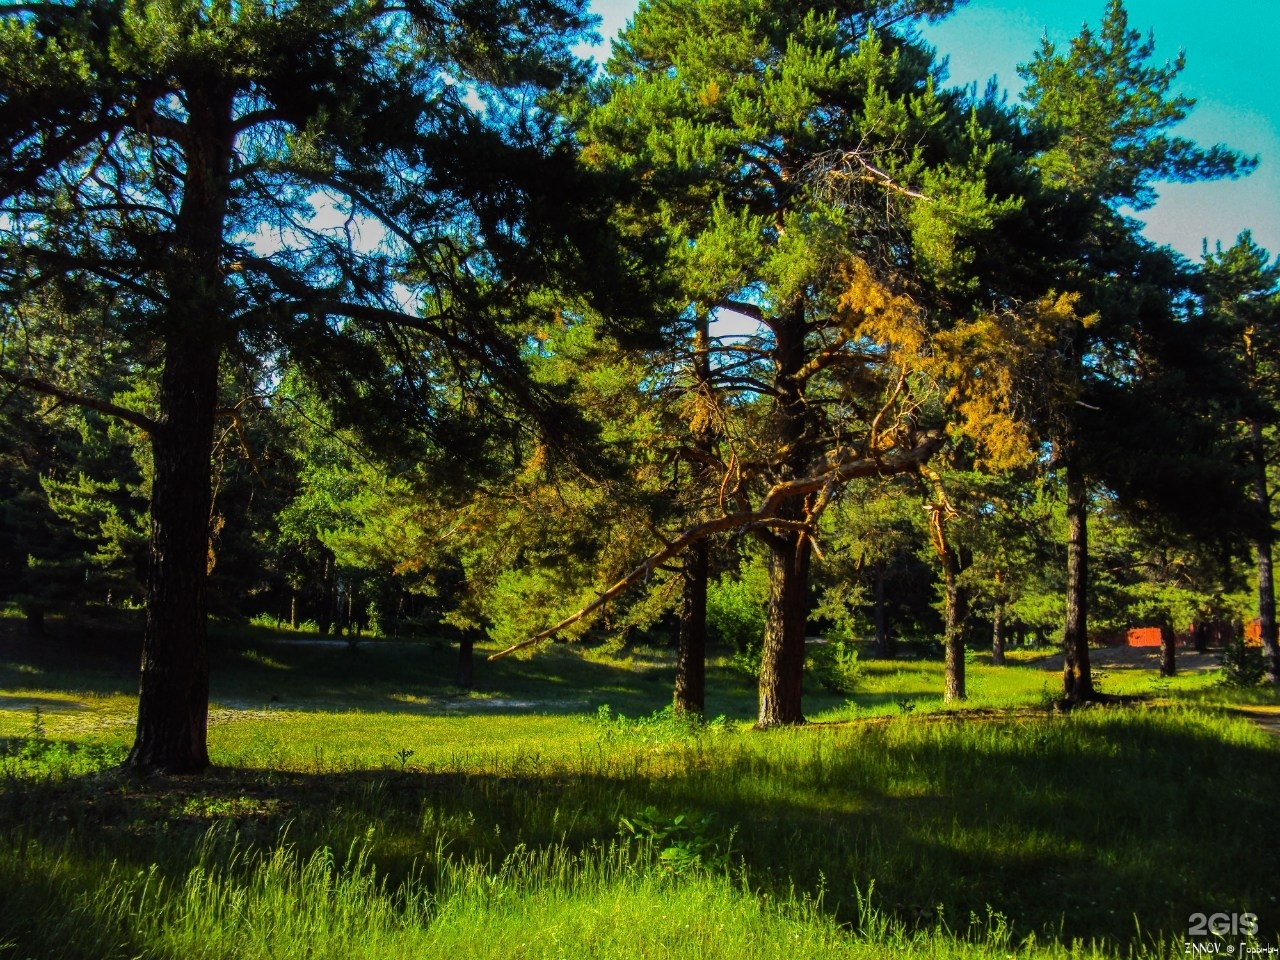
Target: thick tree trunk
782,660
173,702
997,634
1263,546
691,649
1077,679
1200,634
883,649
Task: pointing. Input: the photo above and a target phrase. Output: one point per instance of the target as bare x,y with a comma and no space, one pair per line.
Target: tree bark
690,694
782,659
324,618
1168,656
691,650
1200,634
1077,678
1263,547
466,660
953,688
173,701
883,643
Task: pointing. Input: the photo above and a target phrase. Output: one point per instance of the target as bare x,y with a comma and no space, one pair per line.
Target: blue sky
1233,72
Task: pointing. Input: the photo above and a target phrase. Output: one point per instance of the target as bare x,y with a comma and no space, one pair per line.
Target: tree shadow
1071,837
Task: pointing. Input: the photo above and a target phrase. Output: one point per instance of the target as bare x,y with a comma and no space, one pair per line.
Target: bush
834,665
1242,664
736,606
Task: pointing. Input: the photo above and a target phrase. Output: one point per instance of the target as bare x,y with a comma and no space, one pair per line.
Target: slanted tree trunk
1263,546
1077,679
782,659
173,702
883,642
691,650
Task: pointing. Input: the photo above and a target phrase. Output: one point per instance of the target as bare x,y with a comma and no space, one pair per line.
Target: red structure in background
1253,633
1213,635
1148,637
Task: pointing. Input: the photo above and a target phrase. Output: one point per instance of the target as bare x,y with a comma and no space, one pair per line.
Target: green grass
372,810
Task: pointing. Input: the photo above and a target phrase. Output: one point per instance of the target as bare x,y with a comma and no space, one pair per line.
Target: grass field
362,807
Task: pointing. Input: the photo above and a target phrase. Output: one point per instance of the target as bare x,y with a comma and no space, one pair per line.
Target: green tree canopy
162,165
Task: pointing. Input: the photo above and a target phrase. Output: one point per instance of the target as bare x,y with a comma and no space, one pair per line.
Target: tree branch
139,420
765,516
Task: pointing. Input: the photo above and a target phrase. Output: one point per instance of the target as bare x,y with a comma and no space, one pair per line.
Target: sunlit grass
362,806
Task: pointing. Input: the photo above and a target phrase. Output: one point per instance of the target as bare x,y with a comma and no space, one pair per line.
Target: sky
1232,71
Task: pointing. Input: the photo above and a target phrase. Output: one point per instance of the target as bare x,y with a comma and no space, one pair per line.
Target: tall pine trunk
173,701
173,693
789,551
1077,678
690,692
953,686
782,659
883,642
1263,547
691,650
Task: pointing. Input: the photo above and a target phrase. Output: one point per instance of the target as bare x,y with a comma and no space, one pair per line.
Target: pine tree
1104,111
1242,296
809,177
159,170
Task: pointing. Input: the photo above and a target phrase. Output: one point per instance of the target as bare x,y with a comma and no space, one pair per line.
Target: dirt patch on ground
1268,718
1140,658
46,704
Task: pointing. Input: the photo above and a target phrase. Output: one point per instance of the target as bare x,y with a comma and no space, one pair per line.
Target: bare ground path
1268,718
1141,658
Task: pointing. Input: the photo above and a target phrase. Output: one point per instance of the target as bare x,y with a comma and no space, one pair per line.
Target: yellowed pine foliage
997,366
991,370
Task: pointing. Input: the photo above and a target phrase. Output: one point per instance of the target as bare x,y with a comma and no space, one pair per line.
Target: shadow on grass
257,668
1071,829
